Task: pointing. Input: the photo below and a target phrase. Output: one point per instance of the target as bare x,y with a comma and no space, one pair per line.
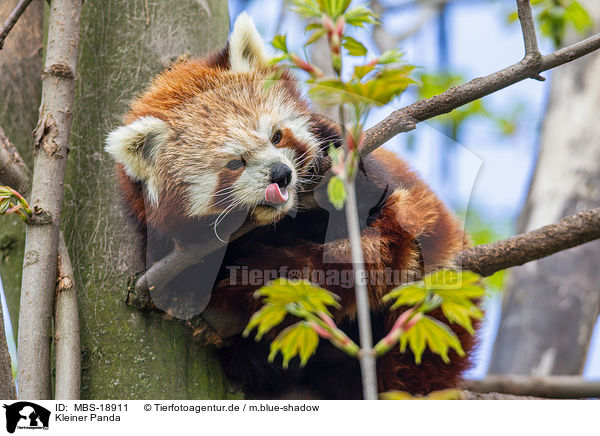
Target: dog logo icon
26,415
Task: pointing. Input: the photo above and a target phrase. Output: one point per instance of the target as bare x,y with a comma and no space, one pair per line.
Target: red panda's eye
236,164
276,138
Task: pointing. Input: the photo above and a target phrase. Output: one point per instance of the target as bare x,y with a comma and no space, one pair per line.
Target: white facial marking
201,193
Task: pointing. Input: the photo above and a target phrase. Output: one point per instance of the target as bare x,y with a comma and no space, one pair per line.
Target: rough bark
569,232
51,143
127,353
20,91
551,307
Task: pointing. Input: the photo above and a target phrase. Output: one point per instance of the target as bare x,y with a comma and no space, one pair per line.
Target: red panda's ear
246,47
136,147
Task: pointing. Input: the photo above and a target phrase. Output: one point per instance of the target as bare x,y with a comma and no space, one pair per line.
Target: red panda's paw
417,214
204,334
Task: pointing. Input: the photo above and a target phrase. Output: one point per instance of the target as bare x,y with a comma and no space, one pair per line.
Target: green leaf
354,47
578,17
296,340
446,284
312,26
379,90
554,17
265,319
275,61
307,8
391,57
4,205
435,335
461,312
446,394
336,192
283,292
362,70
317,34
408,295
451,279
359,16
280,43
512,17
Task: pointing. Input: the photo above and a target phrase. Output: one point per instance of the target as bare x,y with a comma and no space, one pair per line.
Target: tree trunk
20,91
127,353
550,309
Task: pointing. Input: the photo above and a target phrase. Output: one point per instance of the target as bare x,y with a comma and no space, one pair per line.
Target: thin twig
12,20
41,241
367,355
528,28
546,387
14,172
567,233
406,119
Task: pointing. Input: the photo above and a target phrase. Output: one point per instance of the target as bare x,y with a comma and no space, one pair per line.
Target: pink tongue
275,195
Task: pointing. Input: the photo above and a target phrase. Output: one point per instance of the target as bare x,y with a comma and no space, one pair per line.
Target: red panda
208,145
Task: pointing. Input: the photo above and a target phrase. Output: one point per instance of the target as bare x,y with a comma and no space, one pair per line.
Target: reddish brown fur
414,231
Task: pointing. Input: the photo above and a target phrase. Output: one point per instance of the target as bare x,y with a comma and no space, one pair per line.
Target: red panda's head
212,135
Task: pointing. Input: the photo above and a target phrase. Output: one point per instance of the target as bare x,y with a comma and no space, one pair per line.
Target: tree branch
474,395
567,233
12,20
41,242
406,119
66,329
528,28
167,268
545,387
14,172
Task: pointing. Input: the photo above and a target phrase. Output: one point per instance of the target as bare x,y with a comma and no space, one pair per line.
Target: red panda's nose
281,174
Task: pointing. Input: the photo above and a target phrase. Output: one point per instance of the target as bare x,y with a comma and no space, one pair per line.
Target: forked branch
12,20
406,119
